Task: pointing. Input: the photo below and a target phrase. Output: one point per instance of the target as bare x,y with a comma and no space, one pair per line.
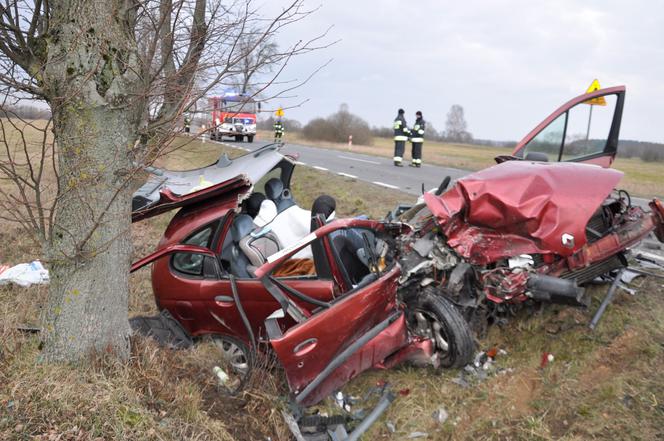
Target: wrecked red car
221,274
533,228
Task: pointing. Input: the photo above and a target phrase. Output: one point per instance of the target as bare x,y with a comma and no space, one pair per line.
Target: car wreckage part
433,316
240,310
385,400
555,290
608,299
345,355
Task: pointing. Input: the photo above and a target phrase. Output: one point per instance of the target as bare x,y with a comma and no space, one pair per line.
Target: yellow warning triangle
594,87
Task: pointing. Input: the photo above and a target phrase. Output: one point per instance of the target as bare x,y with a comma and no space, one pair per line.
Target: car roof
165,190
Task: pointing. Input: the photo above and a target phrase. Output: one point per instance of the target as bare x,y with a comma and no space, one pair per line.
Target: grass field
603,385
642,178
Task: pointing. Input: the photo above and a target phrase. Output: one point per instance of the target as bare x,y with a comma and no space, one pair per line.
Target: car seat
275,191
258,245
242,226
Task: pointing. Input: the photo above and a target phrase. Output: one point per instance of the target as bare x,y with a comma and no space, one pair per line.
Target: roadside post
350,141
203,134
600,101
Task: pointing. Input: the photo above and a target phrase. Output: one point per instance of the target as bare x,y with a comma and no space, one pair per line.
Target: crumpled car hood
520,207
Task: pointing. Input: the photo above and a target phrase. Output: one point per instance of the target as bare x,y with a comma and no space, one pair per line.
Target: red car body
326,330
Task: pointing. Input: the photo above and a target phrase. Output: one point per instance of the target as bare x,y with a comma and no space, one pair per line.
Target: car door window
194,264
549,141
585,129
588,129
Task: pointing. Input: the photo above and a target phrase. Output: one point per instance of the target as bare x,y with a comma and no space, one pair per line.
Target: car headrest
325,205
252,205
536,156
242,226
274,188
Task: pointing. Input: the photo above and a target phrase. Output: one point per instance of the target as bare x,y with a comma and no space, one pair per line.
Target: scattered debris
391,427
24,274
414,435
440,416
163,328
221,375
546,359
480,369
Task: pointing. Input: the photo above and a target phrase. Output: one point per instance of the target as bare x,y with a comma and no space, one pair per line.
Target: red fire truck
233,115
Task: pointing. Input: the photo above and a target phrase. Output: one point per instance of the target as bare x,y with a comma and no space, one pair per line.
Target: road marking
320,168
358,159
300,163
347,175
393,187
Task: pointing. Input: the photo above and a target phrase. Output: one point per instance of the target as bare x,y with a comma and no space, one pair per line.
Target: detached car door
585,129
358,330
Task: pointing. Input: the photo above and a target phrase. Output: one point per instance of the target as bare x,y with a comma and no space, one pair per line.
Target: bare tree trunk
90,83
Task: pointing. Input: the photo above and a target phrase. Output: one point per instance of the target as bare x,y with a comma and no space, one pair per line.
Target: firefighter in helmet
400,137
278,130
417,139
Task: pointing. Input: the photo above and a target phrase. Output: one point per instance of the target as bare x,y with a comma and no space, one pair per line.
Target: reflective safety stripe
401,138
417,161
421,132
397,124
416,139
398,159
416,127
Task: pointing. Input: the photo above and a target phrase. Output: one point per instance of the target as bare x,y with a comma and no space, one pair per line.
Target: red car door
585,129
351,334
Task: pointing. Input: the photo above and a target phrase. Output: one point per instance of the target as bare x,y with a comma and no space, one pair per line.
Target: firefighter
278,131
187,124
400,137
417,139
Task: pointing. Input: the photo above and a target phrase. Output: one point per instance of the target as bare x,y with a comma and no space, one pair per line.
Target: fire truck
233,115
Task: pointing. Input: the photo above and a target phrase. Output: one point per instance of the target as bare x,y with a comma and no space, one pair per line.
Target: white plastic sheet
25,274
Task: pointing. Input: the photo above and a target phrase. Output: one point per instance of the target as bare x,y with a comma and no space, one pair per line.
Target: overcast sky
508,63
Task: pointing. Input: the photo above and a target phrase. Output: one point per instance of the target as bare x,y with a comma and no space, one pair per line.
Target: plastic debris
414,435
221,375
25,274
440,416
391,427
546,359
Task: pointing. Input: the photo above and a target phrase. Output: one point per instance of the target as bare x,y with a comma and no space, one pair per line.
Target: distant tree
290,125
430,132
260,56
456,126
338,126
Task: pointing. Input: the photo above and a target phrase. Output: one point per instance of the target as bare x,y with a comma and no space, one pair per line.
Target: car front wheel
431,315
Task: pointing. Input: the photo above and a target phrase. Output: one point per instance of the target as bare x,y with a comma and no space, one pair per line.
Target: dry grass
603,385
642,178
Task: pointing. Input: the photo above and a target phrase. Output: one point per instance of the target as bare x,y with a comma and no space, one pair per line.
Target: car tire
234,353
431,315
238,138
250,138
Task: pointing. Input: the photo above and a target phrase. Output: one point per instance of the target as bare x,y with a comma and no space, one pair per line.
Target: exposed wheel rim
233,354
427,325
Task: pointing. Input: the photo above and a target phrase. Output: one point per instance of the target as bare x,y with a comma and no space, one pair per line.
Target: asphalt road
373,169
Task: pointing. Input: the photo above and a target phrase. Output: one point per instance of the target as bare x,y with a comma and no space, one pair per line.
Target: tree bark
90,82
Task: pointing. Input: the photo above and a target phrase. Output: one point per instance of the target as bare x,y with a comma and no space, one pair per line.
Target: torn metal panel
168,189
